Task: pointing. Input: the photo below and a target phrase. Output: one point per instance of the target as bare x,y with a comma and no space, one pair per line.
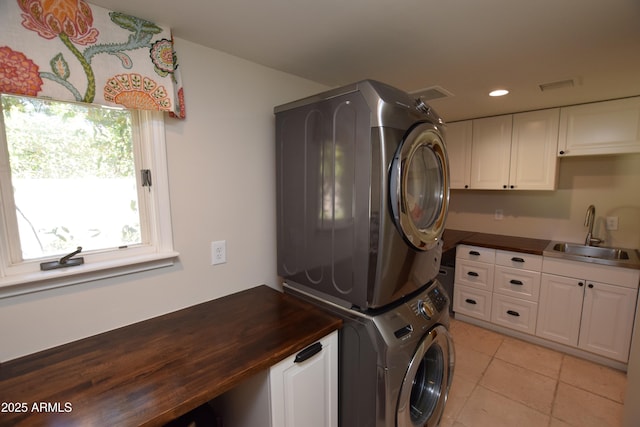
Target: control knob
425,309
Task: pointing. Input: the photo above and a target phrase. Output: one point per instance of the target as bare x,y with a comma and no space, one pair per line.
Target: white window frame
155,252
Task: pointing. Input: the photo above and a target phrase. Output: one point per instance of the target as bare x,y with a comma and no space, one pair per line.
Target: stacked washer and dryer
362,198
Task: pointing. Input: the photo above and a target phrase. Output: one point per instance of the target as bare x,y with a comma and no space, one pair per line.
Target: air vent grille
560,84
430,93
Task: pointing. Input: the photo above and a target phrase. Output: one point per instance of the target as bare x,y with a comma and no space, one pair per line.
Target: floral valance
73,51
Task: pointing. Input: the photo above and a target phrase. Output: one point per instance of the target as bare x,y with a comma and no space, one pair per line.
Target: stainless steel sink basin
591,251
600,255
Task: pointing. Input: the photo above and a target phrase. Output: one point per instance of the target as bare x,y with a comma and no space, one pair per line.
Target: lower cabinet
589,307
304,387
596,317
301,390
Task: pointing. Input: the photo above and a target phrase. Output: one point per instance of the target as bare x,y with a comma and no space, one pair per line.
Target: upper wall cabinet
505,152
458,142
491,153
534,164
609,127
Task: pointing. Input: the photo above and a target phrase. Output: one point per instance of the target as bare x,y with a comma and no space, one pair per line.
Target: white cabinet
491,152
458,142
496,286
515,290
305,392
473,285
289,394
578,311
534,163
609,127
505,152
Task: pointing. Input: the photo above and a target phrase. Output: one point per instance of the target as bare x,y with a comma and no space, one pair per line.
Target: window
79,175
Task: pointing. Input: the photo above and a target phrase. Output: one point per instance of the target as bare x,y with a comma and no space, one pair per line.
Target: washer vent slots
430,93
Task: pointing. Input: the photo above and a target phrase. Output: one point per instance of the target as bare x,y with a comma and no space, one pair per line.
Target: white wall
222,185
610,183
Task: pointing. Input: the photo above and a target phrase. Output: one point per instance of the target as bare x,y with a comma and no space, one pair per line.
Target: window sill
11,286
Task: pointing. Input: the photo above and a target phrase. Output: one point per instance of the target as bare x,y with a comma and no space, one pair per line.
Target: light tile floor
503,381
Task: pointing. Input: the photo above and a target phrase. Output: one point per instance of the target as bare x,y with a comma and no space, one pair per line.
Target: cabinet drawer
517,283
472,302
476,274
514,313
476,253
519,260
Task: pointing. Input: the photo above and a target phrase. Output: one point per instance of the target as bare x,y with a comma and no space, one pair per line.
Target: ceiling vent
560,84
430,93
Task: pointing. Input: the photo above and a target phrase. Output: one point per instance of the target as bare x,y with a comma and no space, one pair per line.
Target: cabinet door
491,153
458,142
559,309
607,320
600,128
478,275
472,302
534,162
306,393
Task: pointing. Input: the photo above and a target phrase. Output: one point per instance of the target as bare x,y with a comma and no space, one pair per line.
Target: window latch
146,178
65,261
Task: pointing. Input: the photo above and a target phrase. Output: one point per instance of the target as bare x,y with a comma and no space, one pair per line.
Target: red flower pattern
18,74
50,18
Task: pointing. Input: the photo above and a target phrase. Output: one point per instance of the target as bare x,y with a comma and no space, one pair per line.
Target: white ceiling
466,47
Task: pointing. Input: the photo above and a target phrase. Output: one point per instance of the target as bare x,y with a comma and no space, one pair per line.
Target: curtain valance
73,51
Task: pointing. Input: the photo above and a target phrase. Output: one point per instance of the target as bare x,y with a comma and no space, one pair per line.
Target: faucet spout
588,222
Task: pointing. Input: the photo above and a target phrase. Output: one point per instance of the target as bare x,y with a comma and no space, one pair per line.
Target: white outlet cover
218,252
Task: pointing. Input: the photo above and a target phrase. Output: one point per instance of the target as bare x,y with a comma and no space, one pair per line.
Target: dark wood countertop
452,238
153,371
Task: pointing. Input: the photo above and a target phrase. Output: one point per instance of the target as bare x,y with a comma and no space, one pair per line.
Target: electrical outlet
612,223
499,214
218,252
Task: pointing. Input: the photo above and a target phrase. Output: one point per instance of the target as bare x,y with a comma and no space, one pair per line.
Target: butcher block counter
153,371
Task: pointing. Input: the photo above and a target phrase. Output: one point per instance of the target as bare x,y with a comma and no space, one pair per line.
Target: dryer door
419,186
425,387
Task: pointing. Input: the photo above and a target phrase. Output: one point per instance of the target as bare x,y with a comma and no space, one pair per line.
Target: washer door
425,387
419,186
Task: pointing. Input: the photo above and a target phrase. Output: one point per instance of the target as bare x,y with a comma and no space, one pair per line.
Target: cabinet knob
561,152
470,301
513,313
504,186
580,284
512,186
466,186
590,285
473,274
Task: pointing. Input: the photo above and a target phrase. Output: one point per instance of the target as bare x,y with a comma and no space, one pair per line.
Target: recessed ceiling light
498,92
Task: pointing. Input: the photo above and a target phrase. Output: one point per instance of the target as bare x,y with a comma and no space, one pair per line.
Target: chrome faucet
588,222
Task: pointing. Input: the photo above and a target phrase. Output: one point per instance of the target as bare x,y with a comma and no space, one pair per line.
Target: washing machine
396,364
362,194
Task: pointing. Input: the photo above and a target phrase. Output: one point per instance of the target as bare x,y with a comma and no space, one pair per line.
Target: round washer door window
419,186
424,389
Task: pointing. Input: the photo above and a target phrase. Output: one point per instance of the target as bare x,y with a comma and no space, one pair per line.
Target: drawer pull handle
516,282
513,313
308,352
476,253
473,274
470,301
517,259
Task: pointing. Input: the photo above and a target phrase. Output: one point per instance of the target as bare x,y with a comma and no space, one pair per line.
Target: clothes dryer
362,194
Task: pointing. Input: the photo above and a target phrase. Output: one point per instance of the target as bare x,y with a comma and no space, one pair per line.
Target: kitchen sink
596,254
591,251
